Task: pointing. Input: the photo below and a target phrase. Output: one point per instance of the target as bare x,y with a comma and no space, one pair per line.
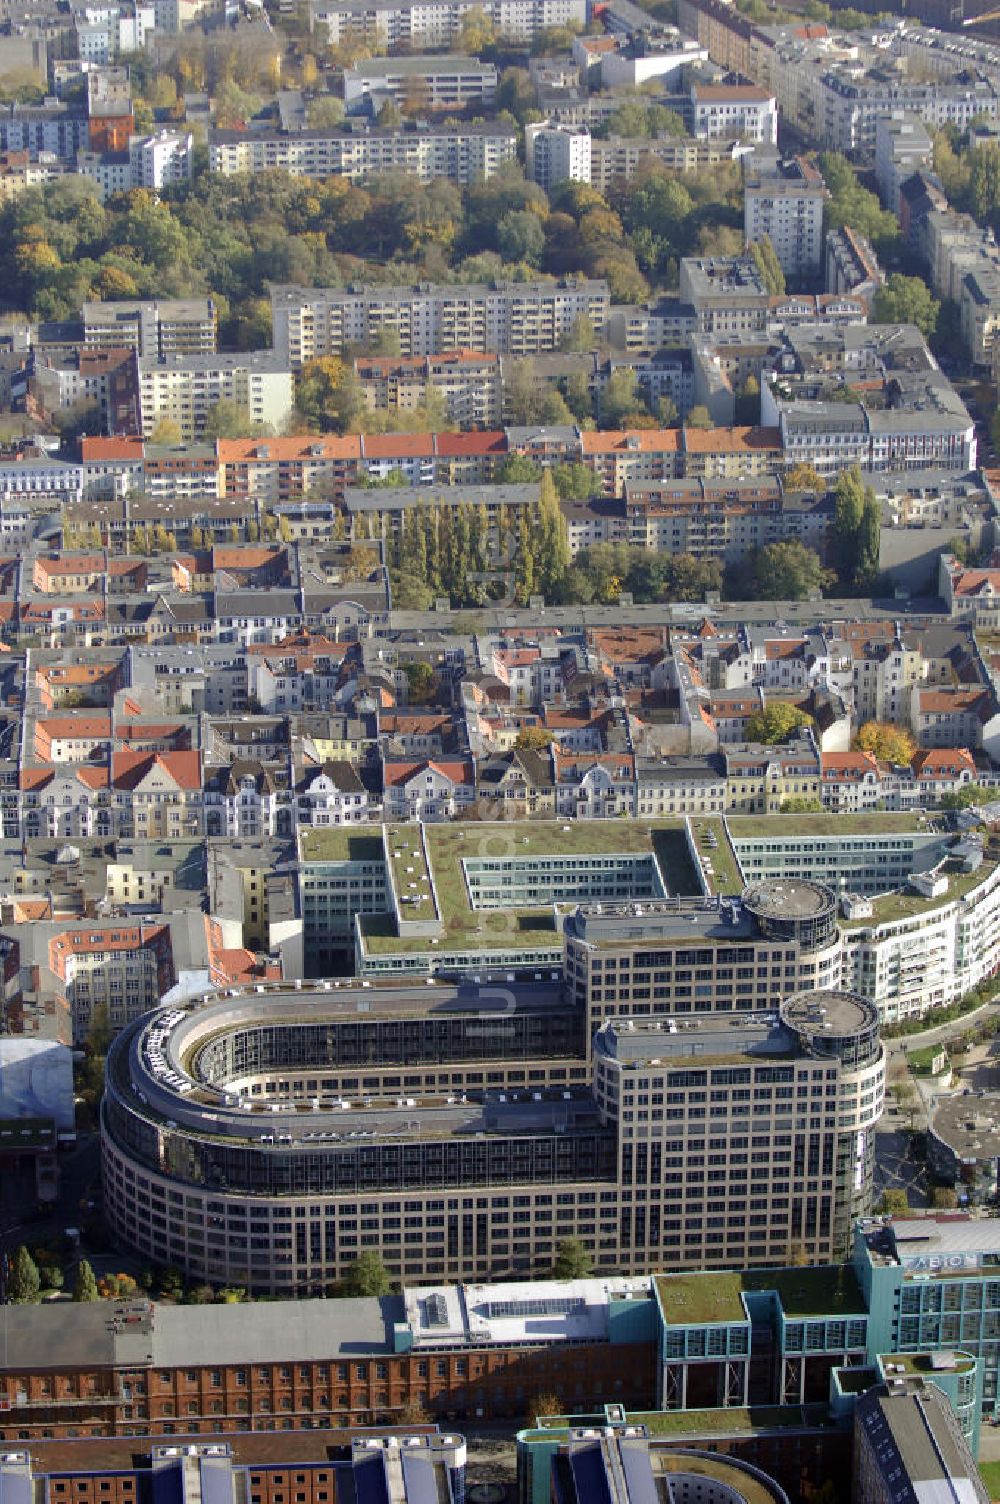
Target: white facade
438,23
555,153
902,146
619,70
787,207
929,959
511,318
464,154
183,389
734,110
161,160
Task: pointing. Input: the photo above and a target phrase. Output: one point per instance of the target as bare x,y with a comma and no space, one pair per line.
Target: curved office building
265,1138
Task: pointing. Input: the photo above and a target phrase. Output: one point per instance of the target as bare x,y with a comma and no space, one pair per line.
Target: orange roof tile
730,440
302,447
94,450
393,446
128,769
630,440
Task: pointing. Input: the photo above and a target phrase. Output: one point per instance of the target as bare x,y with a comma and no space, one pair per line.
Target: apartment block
510,318
727,293
471,384
435,83
555,153
433,24
183,388
783,200
156,330
731,111
902,147
464,153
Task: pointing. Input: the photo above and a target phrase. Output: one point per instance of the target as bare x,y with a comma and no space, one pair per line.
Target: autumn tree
533,739
765,259
776,722
804,477
888,743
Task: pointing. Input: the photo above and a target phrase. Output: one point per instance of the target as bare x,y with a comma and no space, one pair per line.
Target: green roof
725,876
411,879
922,1363
910,904
697,1299
801,827
721,1421
694,1299
340,843
465,928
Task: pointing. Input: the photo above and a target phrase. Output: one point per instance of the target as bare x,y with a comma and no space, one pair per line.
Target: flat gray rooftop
138,1333
789,899
969,1125
830,1011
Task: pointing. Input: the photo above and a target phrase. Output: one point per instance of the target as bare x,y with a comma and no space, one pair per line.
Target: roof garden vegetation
696,1299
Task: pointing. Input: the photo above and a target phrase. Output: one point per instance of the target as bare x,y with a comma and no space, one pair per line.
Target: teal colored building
932,1285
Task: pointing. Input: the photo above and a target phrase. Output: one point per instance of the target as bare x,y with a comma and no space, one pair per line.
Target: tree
776,722
325,112
228,420
166,431
533,739
699,417
857,531
551,540
944,1198
766,260
906,300
24,1283
100,1033
787,572
361,564
409,593
520,237
420,680
803,477
367,1276
572,1260
581,338
888,743
895,1202
85,1285
620,402
545,1404
967,797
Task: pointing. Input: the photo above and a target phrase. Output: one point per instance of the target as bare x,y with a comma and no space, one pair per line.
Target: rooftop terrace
911,905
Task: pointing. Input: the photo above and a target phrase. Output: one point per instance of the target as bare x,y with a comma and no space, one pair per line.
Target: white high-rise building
557,152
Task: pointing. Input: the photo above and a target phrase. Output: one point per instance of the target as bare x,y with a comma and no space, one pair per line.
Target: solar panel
564,1305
